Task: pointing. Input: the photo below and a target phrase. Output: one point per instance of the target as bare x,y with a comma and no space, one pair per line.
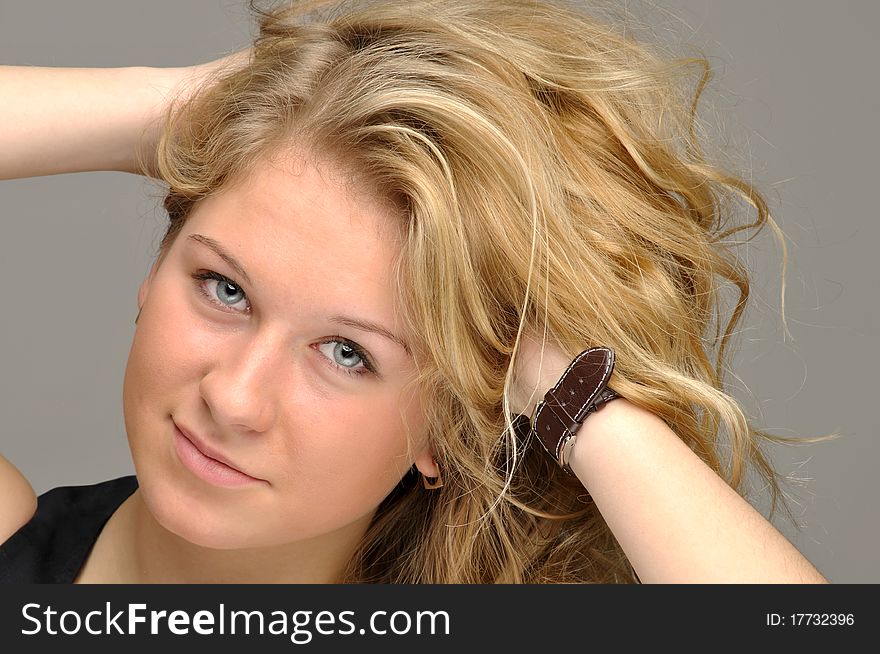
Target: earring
138,316
433,483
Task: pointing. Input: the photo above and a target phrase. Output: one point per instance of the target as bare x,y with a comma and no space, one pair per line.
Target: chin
185,517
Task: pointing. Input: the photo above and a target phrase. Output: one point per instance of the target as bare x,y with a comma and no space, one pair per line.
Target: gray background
796,92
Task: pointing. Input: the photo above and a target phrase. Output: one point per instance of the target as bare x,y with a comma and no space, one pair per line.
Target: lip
207,464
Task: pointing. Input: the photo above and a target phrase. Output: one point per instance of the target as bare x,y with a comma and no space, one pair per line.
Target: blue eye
345,350
226,293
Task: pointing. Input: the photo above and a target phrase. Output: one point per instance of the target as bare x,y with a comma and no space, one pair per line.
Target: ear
426,462
144,288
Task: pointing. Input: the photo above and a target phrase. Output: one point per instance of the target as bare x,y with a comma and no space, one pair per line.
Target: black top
53,546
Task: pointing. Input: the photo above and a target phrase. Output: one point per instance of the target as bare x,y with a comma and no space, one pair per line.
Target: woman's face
258,370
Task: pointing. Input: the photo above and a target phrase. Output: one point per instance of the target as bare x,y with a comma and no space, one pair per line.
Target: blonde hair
548,174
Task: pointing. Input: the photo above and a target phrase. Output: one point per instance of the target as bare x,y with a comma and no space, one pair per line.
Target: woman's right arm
67,120
18,501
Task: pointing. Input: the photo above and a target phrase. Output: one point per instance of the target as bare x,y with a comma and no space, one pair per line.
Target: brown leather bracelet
581,390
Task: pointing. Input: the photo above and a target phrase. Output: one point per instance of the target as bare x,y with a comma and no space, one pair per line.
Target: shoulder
18,501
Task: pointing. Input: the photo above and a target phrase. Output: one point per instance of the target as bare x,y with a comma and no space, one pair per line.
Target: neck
157,555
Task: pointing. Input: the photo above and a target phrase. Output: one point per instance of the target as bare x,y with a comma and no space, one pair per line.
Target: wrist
603,431
159,86
581,390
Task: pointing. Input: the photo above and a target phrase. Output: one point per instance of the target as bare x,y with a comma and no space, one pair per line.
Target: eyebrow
363,325
231,261
367,326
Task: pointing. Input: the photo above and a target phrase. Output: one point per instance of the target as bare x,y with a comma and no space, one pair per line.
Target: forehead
307,228
298,191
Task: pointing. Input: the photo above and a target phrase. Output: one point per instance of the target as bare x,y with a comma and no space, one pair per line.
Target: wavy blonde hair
548,175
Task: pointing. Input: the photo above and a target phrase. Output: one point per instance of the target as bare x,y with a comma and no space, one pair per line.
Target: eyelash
354,372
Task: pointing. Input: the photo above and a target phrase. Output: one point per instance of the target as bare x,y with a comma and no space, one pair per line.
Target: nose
239,385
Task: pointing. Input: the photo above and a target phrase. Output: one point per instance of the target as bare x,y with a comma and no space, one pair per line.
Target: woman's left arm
675,518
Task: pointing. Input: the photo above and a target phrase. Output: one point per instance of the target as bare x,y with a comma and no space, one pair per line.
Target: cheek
354,454
361,445
159,351
164,364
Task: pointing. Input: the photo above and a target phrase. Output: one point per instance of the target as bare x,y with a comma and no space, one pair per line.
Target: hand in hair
536,369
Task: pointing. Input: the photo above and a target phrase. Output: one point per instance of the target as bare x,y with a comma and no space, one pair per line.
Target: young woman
434,305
